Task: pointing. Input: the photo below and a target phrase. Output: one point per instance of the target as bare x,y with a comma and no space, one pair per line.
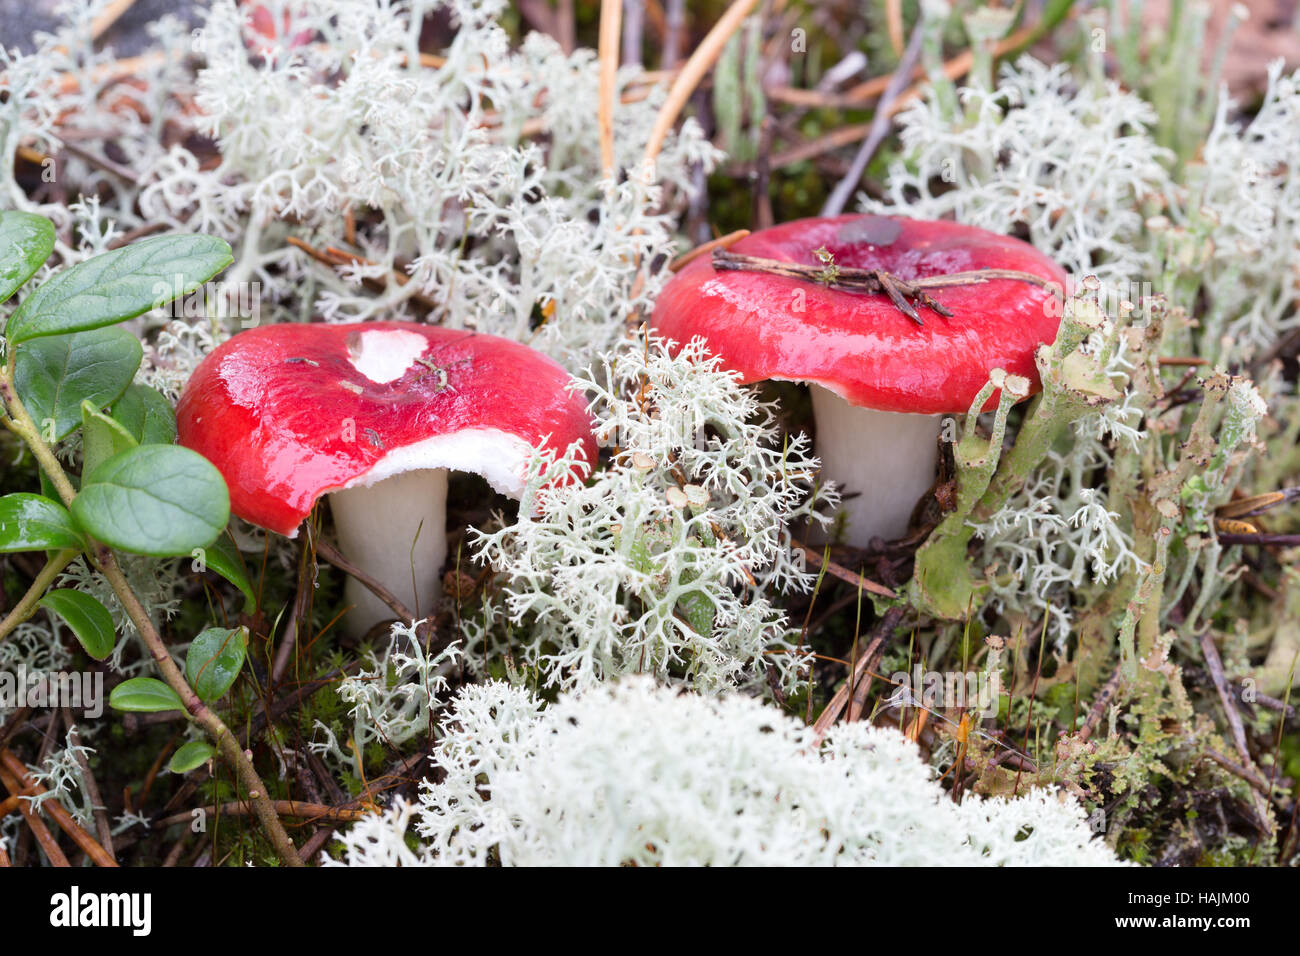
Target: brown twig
316,842
843,573
611,20
331,554
1245,773
300,615
700,62
1256,504
1214,664
855,687
894,21
110,14
1106,695
336,258
34,823
1262,538
308,812
880,124
58,813
722,242
877,281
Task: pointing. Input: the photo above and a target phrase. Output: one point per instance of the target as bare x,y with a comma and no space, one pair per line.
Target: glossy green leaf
191,756
213,661
223,557
118,285
101,437
35,523
146,415
89,620
26,241
144,695
160,500
55,375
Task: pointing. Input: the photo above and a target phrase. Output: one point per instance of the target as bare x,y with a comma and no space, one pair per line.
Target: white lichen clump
495,211
1070,164
661,564
634,773
1248,196
391,700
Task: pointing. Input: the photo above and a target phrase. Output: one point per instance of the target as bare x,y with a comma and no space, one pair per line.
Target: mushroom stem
886,460
396,531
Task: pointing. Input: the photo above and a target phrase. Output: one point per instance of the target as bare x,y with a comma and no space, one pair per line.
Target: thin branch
877,281
26,605
880,124
853,689
308,812
701,61
843,573
722,242
34,823
110,14
1262,538
1107,694
58,813
332,554
611,20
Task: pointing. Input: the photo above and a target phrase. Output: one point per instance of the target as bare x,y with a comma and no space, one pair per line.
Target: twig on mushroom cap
878,281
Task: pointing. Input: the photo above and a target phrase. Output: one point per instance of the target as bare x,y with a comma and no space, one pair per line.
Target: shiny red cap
288,413
859,345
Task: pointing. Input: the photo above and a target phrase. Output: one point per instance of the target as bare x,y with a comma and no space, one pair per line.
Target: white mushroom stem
395,531
887,458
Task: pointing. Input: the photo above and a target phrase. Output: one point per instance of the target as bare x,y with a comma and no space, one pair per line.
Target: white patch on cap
384,355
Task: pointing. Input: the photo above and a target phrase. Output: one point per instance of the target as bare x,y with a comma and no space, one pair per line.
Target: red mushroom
374,415
262,34
884,366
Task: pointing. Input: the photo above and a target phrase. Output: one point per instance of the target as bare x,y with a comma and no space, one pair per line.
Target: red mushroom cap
859,345
288,413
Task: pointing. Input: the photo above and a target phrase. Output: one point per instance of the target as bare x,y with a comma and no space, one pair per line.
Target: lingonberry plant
68,368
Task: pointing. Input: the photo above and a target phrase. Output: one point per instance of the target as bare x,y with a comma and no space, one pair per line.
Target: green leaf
214,660
35,523
26,241
48,489
160,500
55,375
223,557
144,695
191,756
89,620
119,285
146,415
101,437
